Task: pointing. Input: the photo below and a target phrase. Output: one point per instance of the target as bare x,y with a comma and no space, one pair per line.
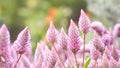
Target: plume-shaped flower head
94,53
51,33
4,37
22,43
62,40
116,31
98,27
98,43
6,60
74,42
84,22
107,39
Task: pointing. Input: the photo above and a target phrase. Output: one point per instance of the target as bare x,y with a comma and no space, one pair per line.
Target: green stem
84,37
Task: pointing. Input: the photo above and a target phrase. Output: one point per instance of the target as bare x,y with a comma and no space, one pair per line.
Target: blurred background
36,14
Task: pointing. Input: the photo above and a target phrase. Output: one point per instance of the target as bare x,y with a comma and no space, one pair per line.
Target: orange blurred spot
52,13
88,14
49,18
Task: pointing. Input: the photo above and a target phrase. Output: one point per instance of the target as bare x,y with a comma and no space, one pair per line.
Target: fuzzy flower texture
66,50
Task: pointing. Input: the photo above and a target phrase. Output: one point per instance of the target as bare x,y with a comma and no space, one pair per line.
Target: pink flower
22,43
106,39
114,53
51,33
112,63
116,31
6,60
98,43
98,28
95,54
84,22
62,40
74,42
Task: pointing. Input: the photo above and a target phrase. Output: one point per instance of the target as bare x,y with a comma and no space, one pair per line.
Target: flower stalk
17,60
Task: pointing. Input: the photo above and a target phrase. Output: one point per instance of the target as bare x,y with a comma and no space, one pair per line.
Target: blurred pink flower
112,63
98,28
116,31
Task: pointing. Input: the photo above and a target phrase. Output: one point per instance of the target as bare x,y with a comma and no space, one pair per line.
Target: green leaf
87,62
72,66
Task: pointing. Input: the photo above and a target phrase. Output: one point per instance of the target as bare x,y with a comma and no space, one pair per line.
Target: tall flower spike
51,33
84,22
98,43
106,39
116,31
6,60
62,40
94,53
22,43
74,38
4,37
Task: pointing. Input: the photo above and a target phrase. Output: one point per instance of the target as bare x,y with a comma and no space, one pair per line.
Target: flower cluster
67,50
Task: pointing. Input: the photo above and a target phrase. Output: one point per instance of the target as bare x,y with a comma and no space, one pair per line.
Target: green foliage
87,62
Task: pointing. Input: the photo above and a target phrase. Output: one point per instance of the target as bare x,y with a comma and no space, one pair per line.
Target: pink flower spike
6,60
22,43
98,43
98,28
106,39
4,37
84,22
51,33
116,31
62,40
94,53
74,38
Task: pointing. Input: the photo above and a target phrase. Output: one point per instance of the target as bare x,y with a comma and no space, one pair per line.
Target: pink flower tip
62,40
51,33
